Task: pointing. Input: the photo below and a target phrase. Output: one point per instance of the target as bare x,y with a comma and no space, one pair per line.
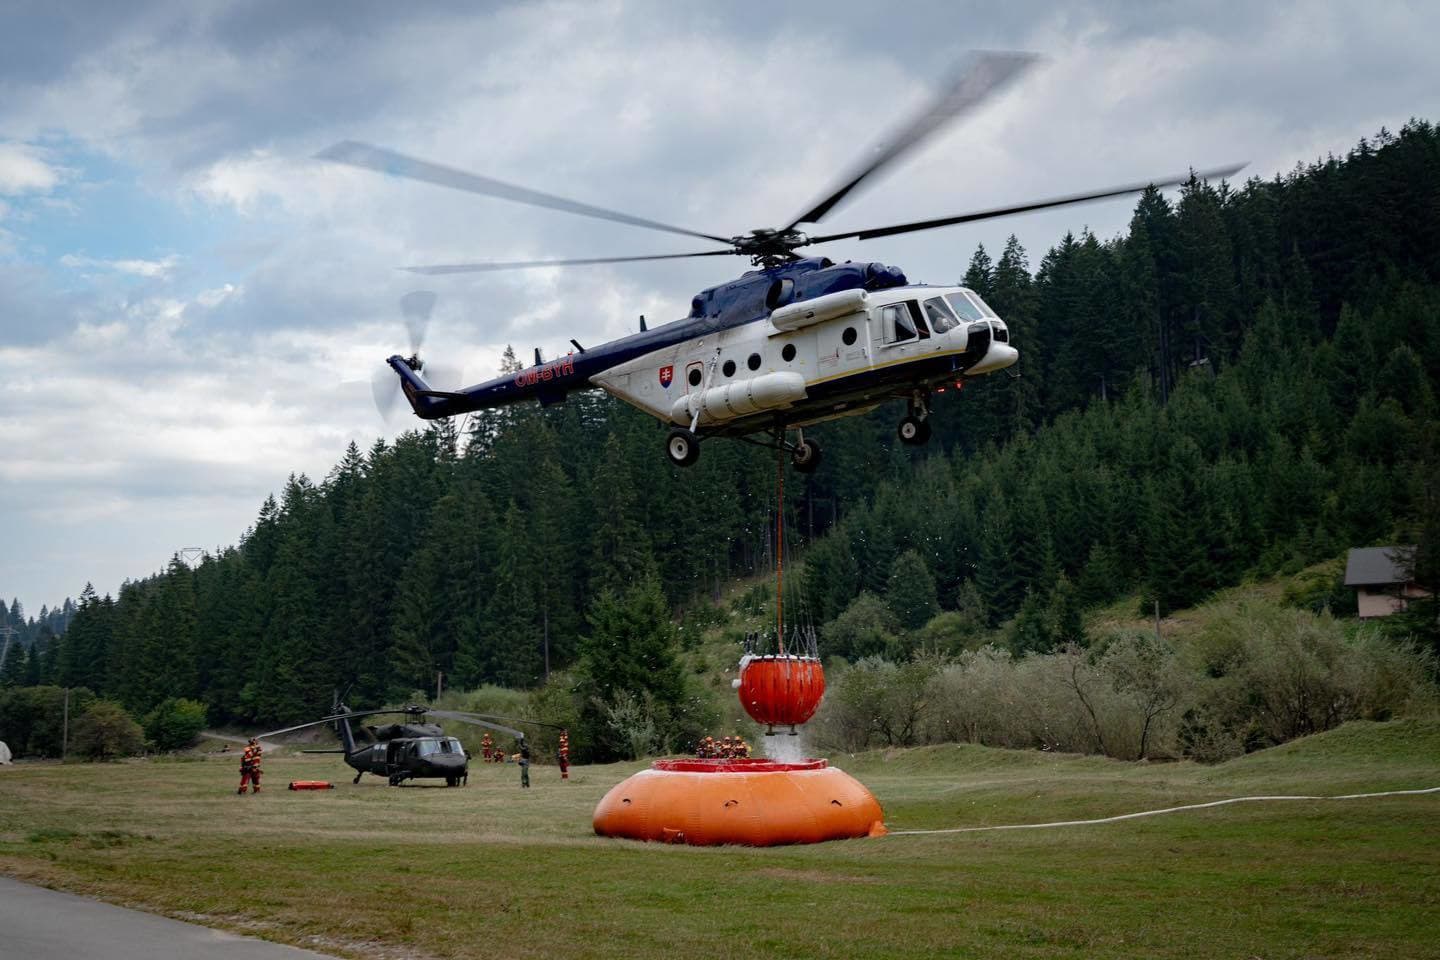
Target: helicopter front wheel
682,447
914,431
805,456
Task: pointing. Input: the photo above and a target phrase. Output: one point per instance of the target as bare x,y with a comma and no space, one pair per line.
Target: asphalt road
40,924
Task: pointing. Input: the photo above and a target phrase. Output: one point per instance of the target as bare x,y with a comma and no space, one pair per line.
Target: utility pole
439,684
65,729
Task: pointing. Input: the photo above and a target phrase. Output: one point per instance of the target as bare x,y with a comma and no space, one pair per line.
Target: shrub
32,719
867,628
175,723
1250,678
106,731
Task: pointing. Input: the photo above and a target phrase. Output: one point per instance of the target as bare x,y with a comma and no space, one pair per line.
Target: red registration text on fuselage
553,370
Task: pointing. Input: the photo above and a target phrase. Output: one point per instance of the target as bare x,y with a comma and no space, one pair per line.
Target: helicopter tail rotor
387,382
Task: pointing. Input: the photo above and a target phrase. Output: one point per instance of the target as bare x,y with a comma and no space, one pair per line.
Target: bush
32,719
867,628
1250,678
175,723
877,702
106,731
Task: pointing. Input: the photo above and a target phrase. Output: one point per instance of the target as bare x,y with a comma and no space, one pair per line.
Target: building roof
1373,566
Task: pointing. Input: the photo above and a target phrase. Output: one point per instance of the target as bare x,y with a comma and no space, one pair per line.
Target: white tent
4,753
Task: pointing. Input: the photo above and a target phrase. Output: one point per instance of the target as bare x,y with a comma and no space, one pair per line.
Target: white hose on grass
1156,813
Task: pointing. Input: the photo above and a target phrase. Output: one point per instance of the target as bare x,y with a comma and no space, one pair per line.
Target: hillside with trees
1243,384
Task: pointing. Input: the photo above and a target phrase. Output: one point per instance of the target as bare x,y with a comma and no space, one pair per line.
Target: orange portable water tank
311,785
781,689
749,801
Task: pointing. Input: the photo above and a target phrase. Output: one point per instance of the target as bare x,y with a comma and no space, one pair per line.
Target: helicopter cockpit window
984,307
425,748
940,316
451,746
964,307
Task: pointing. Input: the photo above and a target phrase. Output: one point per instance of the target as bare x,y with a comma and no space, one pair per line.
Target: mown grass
491,871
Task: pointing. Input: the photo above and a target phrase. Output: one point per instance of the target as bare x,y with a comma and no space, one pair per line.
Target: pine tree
911,591
980,275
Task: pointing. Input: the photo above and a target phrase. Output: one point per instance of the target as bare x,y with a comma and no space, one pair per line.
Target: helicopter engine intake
828,307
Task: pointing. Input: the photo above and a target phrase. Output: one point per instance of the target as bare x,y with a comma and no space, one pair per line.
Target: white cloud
148,269
24,169
162,412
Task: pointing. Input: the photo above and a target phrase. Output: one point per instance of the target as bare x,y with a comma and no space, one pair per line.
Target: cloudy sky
191,307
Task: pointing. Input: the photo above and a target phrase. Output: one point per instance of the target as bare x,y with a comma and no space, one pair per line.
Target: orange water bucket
781,689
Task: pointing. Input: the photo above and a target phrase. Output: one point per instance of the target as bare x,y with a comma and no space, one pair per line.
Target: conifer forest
1243,383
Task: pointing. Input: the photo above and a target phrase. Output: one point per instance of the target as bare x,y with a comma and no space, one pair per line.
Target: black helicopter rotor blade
321,722
982,76
381,160
445,268
473,721
487,716
994,212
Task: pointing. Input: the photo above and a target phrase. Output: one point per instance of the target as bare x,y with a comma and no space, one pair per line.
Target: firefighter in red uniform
486,747
250,767
564,755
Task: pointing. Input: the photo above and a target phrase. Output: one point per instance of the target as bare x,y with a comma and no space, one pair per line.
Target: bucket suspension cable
780,550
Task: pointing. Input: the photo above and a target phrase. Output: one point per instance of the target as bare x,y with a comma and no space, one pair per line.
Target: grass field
490,871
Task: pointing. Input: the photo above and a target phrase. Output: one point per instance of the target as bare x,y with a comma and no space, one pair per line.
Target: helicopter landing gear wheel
914,432
682,447
357,777
452,781
394,781
805,456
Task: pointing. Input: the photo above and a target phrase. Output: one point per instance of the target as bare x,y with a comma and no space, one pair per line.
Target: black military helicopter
414,749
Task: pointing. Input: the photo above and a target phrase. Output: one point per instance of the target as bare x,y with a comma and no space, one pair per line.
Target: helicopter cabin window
941,318
788,353
695,376
902,323
849,336
754,362
729,368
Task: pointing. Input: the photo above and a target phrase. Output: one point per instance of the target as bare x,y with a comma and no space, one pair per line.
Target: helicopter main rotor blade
316,723
445,268
381,160
985,74
891,231
464,718
489,716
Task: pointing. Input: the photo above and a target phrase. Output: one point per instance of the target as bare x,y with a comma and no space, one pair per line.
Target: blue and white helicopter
794,342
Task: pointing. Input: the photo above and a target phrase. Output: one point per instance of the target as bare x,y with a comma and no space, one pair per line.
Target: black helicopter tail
342,726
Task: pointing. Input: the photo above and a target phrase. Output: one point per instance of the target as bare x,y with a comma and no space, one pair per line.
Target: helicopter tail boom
428,404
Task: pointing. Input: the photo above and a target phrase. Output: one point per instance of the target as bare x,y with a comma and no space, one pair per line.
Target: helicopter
794,342
411,750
